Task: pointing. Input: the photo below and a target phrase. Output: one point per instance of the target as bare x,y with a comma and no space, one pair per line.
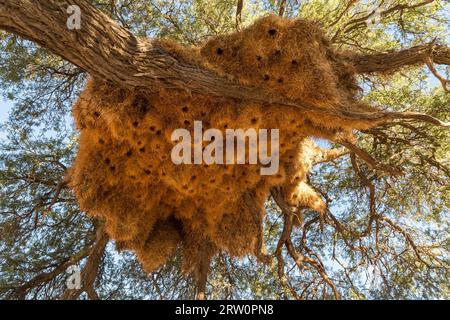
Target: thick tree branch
392,61
108,51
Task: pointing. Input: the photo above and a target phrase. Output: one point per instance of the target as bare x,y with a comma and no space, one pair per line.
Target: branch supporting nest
108,51
392,61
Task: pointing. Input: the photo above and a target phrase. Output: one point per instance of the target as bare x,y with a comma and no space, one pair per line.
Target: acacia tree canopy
382,235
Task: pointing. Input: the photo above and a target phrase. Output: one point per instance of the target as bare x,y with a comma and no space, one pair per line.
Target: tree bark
393,61
108,51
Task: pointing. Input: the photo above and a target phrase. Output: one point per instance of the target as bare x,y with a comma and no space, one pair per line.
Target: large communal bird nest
123,173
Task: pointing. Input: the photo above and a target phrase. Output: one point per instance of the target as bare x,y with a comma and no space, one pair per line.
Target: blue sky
5,107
